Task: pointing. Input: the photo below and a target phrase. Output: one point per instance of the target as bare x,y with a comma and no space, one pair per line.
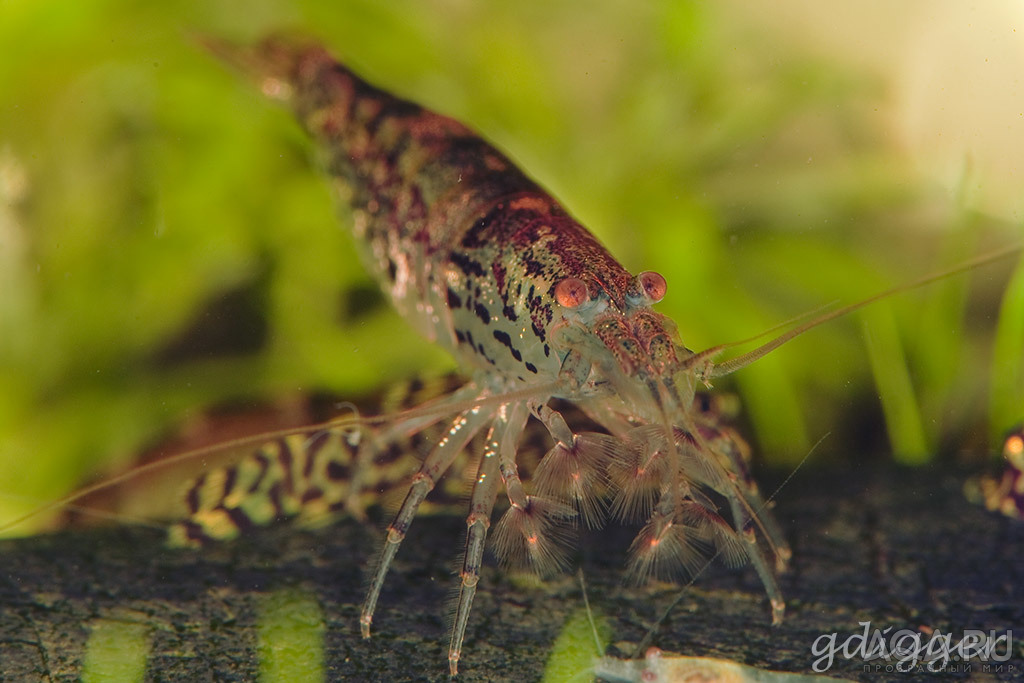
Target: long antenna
734,364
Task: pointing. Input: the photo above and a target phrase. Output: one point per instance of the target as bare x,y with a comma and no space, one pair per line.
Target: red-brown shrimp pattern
485,263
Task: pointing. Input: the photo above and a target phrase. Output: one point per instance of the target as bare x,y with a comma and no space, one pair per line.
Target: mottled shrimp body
469,249
483,262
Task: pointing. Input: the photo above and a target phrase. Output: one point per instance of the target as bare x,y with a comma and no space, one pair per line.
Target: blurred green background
167,244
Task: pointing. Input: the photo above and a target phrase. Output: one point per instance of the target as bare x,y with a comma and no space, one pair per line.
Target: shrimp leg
502,438
766,520
745,528
722,441
575,469
746,514
459,433
530,530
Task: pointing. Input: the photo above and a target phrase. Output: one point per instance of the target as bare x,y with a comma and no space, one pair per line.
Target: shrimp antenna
590,613
156,465
734,364
430,411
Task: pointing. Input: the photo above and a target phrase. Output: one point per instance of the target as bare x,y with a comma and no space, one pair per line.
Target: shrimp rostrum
479,259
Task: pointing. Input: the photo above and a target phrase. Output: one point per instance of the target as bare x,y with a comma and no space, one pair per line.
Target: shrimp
663,667
553,333
486,264
658,666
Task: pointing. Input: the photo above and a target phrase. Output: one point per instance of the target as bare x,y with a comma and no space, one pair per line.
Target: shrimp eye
572,292
652,285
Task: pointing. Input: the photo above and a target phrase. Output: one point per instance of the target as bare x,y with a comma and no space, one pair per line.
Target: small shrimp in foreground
664,667
658,666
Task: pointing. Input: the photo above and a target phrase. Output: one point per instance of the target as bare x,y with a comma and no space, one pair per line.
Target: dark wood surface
898,548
